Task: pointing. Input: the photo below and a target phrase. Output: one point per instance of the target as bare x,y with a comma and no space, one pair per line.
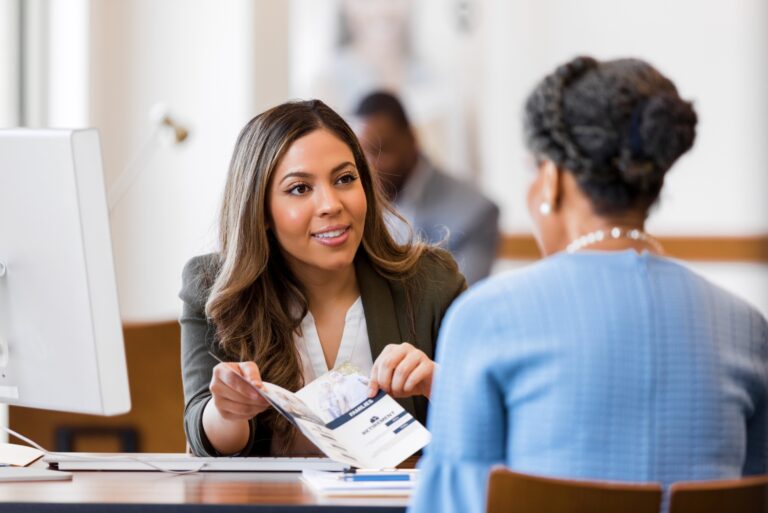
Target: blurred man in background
436,204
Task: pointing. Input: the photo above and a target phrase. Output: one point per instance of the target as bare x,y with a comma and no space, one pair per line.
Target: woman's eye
347,178
299,189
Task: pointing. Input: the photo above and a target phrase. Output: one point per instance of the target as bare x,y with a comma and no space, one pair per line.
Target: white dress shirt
354,349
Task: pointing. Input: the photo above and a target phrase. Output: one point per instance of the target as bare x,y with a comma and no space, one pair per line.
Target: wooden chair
746,495
512,492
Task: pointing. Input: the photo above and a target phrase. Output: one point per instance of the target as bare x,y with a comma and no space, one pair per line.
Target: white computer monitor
61,340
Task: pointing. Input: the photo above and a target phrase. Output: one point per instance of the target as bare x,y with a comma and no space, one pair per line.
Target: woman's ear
550,186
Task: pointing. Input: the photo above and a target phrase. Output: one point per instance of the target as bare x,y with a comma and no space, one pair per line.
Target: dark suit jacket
434,287
440,202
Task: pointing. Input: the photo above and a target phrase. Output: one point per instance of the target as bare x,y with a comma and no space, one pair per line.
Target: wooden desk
133,492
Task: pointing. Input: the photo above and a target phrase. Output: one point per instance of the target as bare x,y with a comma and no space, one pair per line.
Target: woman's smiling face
317,204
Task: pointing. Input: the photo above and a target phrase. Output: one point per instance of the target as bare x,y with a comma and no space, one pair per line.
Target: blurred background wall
463,68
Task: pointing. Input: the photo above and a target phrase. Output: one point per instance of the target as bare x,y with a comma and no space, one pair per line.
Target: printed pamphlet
335,413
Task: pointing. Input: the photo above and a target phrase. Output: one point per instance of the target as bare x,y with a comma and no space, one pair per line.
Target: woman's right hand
233,390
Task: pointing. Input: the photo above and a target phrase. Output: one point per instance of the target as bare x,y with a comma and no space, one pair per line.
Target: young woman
605,360
307,278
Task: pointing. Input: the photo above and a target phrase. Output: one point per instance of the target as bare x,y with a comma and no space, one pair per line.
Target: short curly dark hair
616,126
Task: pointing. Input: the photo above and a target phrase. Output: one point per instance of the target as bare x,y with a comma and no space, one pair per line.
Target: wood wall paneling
712,249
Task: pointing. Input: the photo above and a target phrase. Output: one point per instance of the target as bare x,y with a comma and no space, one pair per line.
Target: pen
392,471
377,477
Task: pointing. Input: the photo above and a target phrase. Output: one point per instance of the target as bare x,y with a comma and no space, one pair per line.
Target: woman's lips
333,236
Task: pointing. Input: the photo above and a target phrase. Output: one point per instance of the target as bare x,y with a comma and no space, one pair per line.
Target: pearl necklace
614,233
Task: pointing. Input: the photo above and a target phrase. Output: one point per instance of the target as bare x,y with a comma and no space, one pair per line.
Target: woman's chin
339,265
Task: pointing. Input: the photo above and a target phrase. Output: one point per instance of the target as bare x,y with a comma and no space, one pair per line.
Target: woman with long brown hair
306,278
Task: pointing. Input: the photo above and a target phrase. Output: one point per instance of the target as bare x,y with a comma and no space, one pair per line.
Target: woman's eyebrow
341,166
297,174
306,175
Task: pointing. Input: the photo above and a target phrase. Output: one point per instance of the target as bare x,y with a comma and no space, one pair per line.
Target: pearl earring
545,208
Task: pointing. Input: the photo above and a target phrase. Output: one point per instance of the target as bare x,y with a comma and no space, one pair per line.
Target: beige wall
215,65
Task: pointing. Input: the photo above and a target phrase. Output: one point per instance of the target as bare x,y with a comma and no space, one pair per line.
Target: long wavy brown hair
255,302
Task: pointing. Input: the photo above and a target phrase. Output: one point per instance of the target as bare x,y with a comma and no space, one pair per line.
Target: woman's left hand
402,370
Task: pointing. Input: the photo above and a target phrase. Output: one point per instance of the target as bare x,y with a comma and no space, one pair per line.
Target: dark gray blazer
433,289
443,202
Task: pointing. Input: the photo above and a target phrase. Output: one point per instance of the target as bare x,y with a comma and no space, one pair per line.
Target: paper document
388,484
335,413
18,455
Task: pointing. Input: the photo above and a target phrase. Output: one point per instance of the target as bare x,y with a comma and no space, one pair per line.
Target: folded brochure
335,413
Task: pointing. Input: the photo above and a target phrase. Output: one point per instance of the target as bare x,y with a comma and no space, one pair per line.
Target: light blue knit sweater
596,365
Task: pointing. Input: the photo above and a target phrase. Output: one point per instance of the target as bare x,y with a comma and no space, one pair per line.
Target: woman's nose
328,202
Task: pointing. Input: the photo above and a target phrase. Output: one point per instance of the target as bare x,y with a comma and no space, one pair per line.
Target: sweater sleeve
467,418
197,339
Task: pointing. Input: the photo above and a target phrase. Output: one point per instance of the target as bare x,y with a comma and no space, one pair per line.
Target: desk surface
159,492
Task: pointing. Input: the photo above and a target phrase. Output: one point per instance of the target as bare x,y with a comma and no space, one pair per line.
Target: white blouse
354,348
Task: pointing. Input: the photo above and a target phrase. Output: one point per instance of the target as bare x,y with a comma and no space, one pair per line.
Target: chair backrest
512,492
746,495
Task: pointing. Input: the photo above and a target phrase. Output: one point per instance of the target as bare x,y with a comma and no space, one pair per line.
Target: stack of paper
394,483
